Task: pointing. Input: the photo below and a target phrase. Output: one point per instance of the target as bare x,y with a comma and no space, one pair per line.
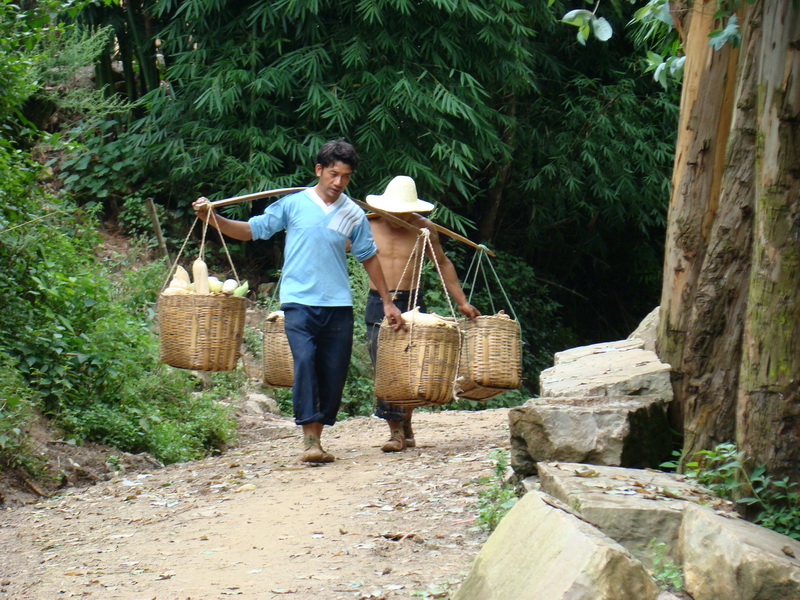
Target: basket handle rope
416,259
213,215
172,269
415,273
425,234
477,267
201,254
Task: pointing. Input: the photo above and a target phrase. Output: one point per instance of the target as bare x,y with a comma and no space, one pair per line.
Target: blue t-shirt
315,264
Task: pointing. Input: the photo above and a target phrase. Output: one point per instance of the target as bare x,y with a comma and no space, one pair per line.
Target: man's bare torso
395,244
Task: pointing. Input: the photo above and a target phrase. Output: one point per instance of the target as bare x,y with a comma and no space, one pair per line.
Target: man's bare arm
449,274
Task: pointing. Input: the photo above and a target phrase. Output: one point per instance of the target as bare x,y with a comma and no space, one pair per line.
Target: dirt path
258,524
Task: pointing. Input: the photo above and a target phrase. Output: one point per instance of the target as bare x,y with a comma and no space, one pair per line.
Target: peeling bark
712,351
769,393
705,117
730,316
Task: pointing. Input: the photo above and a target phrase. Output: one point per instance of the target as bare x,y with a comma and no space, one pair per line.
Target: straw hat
400,197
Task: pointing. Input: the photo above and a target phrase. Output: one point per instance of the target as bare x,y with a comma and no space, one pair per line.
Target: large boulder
647,331
733,559
621,368
630,431
632,506
542,551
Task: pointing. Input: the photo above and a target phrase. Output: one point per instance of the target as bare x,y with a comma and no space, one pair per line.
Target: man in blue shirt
315,288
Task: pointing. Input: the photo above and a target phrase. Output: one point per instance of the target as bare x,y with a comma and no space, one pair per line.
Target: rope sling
491,359
418,364
200,332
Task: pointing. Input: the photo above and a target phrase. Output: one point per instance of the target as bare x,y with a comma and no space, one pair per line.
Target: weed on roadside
498,497
767,501
667,573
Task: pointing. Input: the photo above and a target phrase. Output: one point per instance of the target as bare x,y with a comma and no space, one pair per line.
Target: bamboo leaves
420,92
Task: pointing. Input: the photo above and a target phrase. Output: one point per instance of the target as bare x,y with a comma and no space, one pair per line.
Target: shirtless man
395,244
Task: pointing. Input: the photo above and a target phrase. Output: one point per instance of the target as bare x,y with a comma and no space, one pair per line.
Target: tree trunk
769,393
712,352
705,116
730,316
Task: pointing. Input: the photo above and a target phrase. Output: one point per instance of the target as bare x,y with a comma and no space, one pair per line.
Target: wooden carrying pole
462,239
439,228
255,196
364,205
278,192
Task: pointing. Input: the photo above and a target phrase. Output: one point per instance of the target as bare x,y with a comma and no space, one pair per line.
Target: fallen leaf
587,473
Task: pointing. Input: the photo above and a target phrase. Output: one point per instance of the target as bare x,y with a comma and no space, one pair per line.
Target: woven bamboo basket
201,332
278,362
491,357
417,365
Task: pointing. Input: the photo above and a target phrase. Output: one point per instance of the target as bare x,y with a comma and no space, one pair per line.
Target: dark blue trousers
321,340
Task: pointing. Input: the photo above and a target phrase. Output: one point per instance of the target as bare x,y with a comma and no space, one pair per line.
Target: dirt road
256,524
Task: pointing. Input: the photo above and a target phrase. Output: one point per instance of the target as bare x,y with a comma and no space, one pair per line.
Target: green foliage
254,90
671,66
136,291
16,411
591,218
80,339
498,497
62,68
507,399
16,68
588,23
160,415
253,341
654,29
283,397
769,502
96,167
666,572
729,34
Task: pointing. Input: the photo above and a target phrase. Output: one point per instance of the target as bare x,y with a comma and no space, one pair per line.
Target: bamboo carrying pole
364,205
255,196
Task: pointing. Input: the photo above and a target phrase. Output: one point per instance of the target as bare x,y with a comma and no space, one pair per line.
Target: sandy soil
257,524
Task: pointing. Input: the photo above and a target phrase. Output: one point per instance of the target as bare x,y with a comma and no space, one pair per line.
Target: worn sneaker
396,443
409,434
313,452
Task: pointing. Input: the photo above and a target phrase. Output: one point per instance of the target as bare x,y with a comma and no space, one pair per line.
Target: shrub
770,502
79,336
498,497
16,410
